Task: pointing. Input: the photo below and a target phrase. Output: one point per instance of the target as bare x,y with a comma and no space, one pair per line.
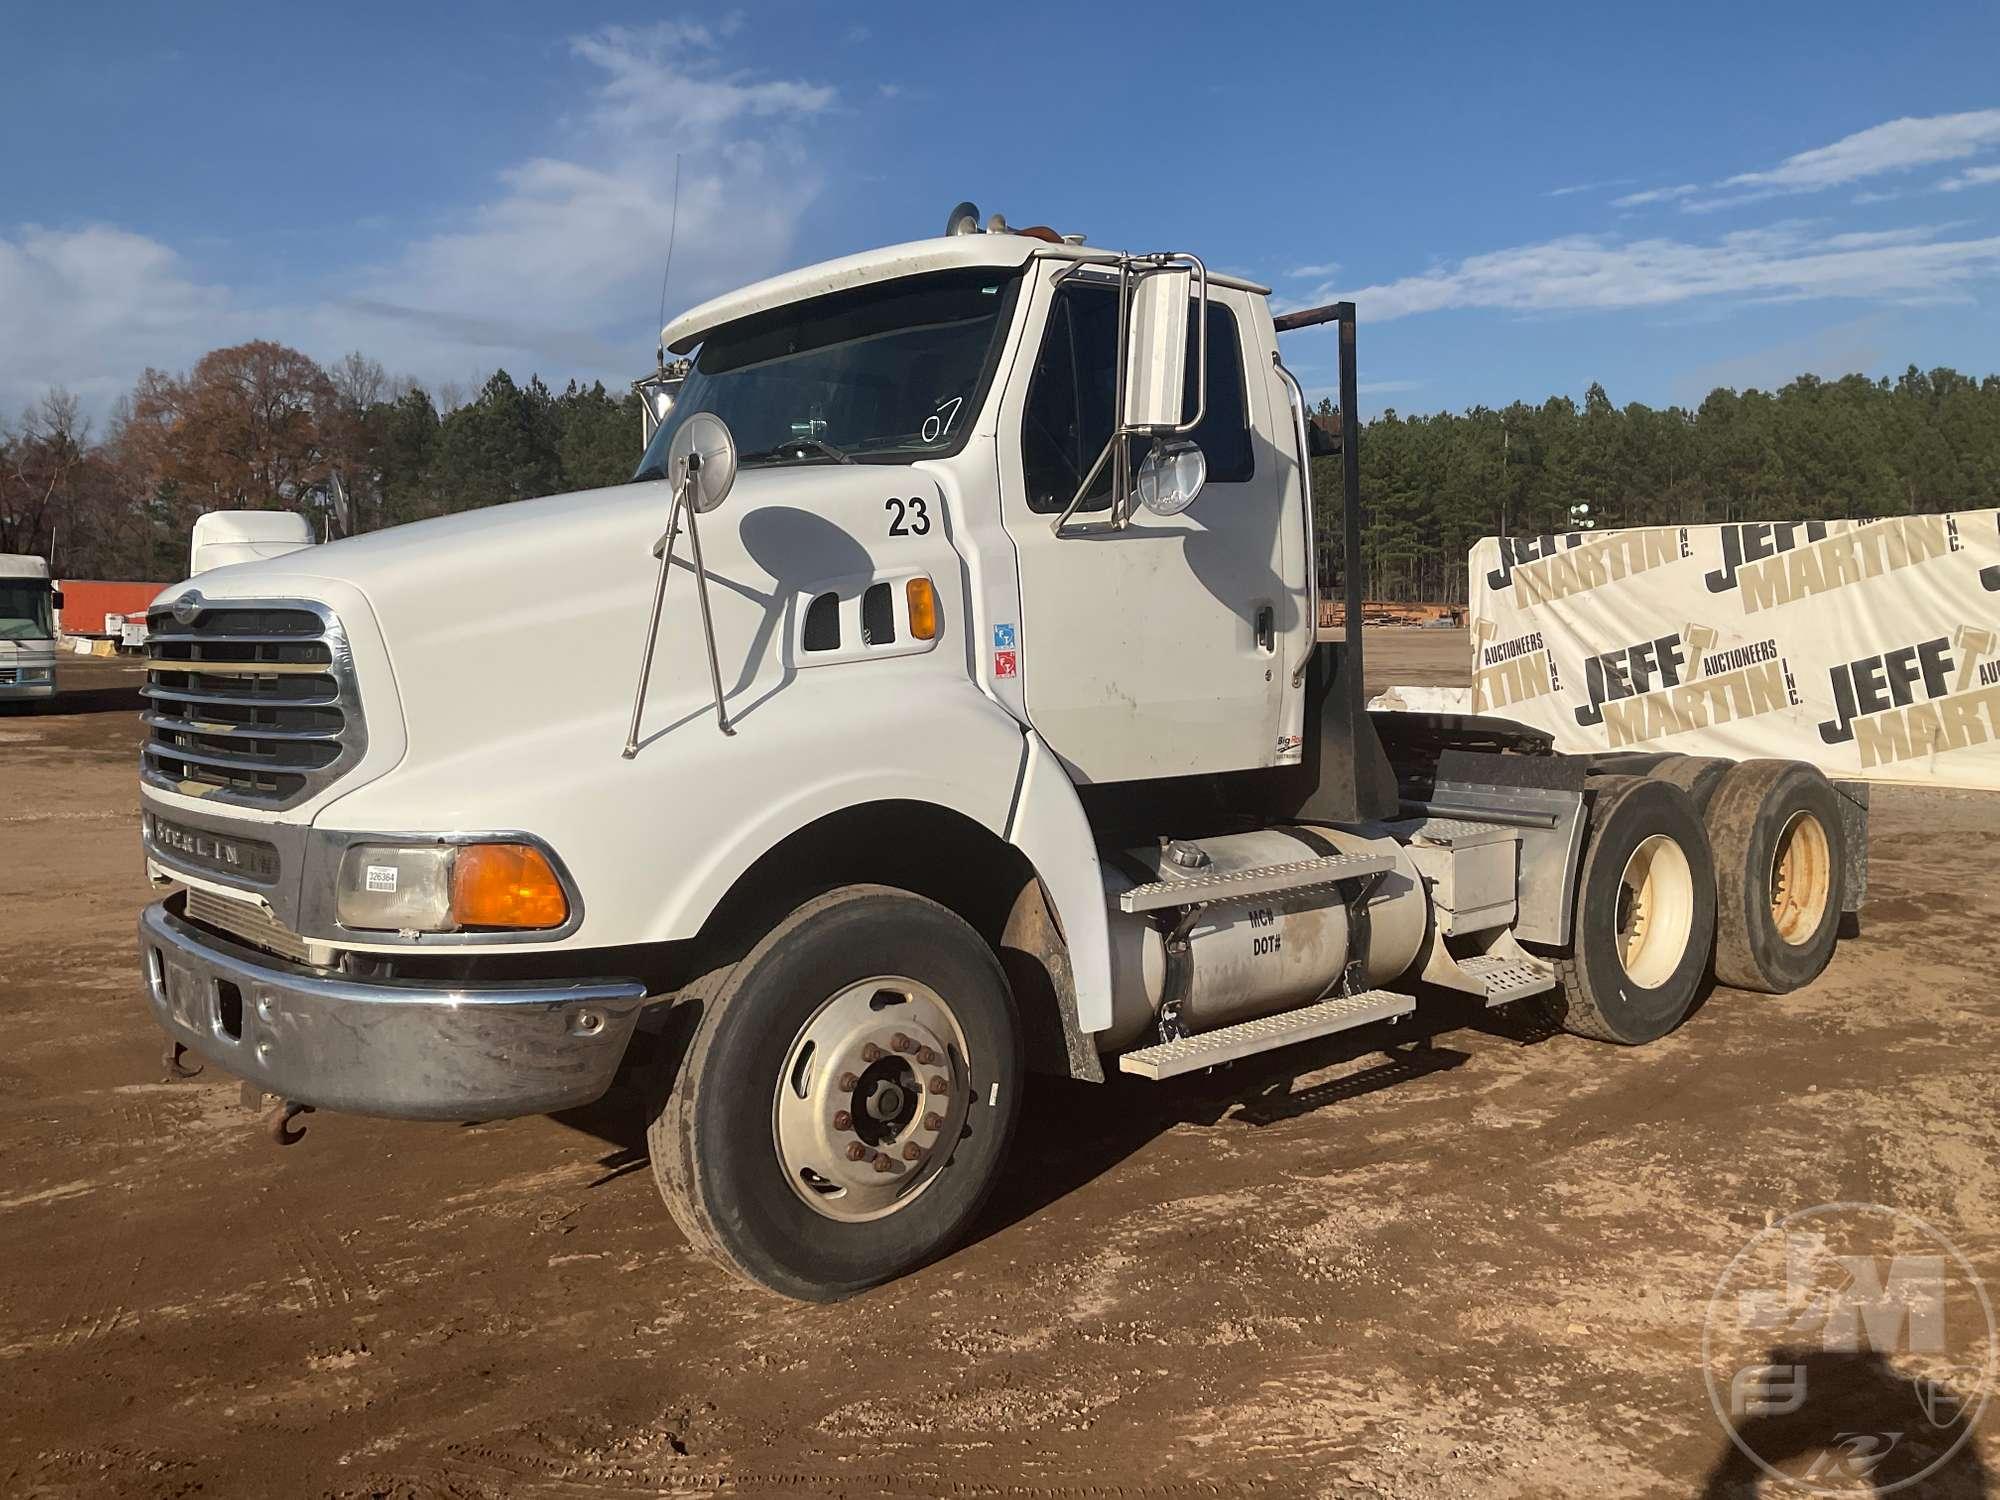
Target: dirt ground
1479,1269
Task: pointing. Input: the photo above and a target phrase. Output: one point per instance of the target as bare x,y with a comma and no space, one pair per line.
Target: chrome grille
250,703
251,923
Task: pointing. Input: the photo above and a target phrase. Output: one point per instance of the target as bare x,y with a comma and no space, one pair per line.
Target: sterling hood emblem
188,607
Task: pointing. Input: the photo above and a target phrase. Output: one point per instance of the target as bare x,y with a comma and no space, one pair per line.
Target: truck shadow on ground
1071,1133
1862,1428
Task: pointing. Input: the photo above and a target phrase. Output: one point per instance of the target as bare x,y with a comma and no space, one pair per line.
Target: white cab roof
252,526
19,565
957,252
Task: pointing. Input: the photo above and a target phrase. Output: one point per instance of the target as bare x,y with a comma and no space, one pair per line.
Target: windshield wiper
838,455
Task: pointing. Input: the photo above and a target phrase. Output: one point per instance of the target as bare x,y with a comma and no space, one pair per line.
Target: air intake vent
253,705
822,627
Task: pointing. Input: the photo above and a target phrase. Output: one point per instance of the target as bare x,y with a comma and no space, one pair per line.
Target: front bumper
22,692
420,1051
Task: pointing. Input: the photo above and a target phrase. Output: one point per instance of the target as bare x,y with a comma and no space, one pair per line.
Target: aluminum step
1243,885
1247,1038
1506,979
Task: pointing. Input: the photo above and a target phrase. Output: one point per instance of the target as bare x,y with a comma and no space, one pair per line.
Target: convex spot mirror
705,436
1156,349
1171,476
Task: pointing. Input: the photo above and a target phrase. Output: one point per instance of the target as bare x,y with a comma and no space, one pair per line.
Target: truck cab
941,700
28,602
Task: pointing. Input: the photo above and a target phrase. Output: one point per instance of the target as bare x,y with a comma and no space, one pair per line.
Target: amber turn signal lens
506,885
923,608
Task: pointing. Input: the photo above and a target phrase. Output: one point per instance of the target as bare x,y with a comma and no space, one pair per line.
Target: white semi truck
28,602
942,700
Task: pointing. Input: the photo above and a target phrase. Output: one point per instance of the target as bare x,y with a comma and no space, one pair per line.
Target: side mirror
705,446
1171,476
56,599
1156,349
1319,442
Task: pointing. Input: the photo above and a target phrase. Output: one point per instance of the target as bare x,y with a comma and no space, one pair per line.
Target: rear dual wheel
1780,853
1645,912
844,1102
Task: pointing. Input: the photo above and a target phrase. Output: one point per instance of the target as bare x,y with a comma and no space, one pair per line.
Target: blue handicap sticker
1003,637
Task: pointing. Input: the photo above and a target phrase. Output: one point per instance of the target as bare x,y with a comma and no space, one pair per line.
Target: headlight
35,674
447,887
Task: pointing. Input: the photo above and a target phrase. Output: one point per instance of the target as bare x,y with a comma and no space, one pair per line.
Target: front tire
1645,911
845,1101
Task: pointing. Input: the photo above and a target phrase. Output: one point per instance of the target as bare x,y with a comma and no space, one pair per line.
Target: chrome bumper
419,1051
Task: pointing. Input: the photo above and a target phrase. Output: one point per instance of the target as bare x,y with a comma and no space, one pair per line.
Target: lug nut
933,1121
926,1057
871,1053
913,1152
883,1162
856,1151
937,1083
842,1120
849,1082
901,1043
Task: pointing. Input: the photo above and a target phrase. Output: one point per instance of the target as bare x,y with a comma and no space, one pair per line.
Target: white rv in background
28,602
222,537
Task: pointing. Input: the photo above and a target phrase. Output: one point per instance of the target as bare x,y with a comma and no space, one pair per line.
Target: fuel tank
1251,958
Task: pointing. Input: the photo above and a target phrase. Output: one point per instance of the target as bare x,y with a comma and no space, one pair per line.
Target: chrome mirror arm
663,549
707,623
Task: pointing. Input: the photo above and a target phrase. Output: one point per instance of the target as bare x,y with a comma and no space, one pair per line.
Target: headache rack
251,703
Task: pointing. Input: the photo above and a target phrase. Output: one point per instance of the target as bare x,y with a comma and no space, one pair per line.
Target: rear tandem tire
1697,775
1645,911
831,991
1780,852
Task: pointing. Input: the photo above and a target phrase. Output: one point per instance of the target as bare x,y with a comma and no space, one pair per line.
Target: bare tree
39,465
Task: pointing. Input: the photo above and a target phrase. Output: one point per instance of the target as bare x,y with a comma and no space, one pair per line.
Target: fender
1048,826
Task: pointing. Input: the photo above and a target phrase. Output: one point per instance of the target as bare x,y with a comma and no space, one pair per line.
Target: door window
1074,388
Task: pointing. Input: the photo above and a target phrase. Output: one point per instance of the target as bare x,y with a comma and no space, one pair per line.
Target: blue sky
1661,198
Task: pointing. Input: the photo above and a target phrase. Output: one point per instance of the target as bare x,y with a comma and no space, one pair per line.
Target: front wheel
845,1100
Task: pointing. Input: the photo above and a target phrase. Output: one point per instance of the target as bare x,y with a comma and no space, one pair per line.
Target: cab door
1163,648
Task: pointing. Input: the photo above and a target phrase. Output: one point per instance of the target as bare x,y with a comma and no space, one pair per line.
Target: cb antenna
673,228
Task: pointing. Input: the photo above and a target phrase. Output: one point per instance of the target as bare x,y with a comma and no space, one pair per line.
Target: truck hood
524,622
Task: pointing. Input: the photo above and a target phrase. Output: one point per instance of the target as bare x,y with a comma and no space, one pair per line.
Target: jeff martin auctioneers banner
1871,648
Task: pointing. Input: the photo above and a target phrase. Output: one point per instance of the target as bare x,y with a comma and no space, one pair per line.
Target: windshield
884,373
25,614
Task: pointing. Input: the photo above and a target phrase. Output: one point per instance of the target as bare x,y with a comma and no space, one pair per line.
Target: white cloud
1893,147
1896,146
1655,195
581,242
1970,177
89,308
1330,268
1600,272
557,270
1589,187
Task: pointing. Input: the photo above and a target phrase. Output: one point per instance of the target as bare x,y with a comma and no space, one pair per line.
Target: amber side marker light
506,885
923,608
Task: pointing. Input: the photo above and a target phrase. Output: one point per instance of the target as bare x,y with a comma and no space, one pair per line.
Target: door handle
1266,629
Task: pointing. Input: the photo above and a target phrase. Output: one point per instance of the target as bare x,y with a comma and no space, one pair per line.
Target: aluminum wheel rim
1655,911
871,1097
1801,878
